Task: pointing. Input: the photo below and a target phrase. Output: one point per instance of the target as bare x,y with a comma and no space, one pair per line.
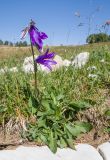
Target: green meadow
70,103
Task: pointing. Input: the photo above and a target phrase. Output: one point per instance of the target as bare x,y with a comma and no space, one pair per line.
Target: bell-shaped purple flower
36,36
46,59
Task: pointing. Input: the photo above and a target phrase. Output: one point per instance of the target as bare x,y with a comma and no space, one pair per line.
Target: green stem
35,70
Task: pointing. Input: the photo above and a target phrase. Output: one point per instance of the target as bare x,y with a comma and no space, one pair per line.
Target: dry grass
7,51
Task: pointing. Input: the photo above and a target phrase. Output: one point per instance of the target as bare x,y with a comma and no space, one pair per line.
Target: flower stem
35,71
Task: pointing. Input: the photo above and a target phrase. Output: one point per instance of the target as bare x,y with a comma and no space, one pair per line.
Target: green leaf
45,113
108,130
46,105
43,138
70,143
90,101
39,113
60,96
73,130
41,123
54,98
32,102
62,143
86,126
79,105
52,143
33,132
78,128
2,109
107,113
32,105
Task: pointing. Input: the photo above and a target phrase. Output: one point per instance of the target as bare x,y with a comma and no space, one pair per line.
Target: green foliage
18,44
6,43
96,38
52,118
21,44
1,42
55,124
107,113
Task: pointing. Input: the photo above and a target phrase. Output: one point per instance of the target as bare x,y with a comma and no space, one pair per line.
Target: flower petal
24,32
48,66
46,59
47,63
49,55
35,37
50,62
43,35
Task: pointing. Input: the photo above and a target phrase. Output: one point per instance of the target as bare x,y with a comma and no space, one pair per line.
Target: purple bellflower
46,59
36,36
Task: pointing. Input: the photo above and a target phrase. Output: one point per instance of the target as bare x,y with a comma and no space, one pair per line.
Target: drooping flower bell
36,37
46,59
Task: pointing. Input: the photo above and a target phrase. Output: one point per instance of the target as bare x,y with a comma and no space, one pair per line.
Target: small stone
66,63
36,153
6,69
59,61
28,65
81,59
92,76
102,60
92,68
9,155
28,68
3,70
82,152
104,150
13,69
